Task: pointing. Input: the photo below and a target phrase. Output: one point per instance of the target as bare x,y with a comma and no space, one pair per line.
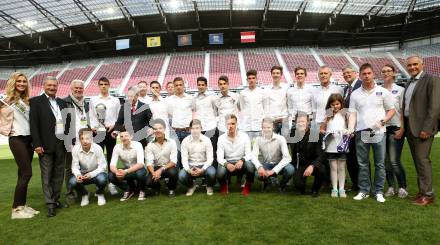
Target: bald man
421,109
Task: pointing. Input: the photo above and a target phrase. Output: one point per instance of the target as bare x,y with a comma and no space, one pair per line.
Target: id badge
83,122
59,128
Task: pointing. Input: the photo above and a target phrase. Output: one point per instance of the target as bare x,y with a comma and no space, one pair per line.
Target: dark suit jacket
43,122
308,153
70,104
356,84
139,119
424,108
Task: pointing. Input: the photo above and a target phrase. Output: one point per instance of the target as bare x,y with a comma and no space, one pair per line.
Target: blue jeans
363,156
99,180
393,165
287,173
180,136
130,180
248,168
188,180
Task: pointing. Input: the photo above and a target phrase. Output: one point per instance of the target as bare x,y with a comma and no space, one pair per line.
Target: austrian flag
247,36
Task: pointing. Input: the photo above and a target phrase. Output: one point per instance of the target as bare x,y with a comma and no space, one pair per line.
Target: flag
184,40
247,36
216,38
122,44
153,42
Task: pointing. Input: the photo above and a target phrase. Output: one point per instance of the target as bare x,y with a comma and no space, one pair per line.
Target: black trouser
131,182
352,164
213,136
109,143
23,152
319,172
170,173
68,173
52,173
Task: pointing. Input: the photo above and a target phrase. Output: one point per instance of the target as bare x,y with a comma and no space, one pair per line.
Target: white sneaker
112,189
20,213
334,193
191,191
209,191
342,194
101,199
361,196
402,193
379,198
85,200
127,195
390,192
30,210
141,196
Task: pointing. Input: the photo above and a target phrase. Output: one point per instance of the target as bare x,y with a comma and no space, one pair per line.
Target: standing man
204,110
47,129
353,83
197,158
75,102
322,93
275,155
161,158
276,101
143,92
421,108
371,107
225,104
170,89
251,105
158,105
134,116
299,97
104,110
234,156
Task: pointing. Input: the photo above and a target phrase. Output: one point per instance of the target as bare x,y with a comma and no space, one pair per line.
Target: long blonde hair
12,95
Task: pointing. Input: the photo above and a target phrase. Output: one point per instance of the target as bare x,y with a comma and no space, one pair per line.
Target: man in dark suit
421,110
135,117
48,127
76,103
350,76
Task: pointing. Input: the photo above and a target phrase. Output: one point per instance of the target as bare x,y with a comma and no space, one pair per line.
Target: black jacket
307,153
42,122
356,84
139,120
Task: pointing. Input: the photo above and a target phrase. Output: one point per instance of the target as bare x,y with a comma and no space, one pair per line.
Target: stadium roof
93,25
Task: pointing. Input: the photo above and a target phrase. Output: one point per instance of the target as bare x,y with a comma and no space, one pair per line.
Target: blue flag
216,38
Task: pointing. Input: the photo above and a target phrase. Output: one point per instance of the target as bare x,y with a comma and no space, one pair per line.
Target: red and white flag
247,36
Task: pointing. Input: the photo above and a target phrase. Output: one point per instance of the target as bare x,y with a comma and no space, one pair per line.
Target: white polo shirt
397,95
251,104
370,106
129,156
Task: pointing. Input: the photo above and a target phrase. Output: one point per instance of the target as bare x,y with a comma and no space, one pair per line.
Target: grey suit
424,111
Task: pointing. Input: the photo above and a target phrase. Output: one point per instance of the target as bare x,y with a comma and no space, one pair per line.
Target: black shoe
267,186
51,212
59,205
283,190
315,194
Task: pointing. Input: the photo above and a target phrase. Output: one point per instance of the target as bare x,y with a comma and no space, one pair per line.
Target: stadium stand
189,66
147,69
224,64
261,60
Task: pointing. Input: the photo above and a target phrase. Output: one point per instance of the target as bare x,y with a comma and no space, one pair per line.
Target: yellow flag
153,42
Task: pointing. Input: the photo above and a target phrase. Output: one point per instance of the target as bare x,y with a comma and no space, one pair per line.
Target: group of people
293,131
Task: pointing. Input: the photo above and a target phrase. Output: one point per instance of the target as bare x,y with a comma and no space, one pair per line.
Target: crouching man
275,157
197,156
161,157
88,167
234,156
